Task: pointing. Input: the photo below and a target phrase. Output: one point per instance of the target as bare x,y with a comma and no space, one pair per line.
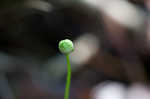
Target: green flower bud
66,46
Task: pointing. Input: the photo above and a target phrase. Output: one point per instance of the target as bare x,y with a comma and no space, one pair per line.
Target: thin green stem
67,90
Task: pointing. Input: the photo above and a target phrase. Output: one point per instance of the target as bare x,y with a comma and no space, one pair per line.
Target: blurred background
112,49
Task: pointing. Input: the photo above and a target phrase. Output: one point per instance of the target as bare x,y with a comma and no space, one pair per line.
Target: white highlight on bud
39,5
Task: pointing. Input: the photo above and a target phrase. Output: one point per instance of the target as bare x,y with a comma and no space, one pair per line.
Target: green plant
66,47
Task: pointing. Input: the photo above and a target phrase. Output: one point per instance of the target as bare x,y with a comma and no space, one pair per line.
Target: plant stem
66,96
